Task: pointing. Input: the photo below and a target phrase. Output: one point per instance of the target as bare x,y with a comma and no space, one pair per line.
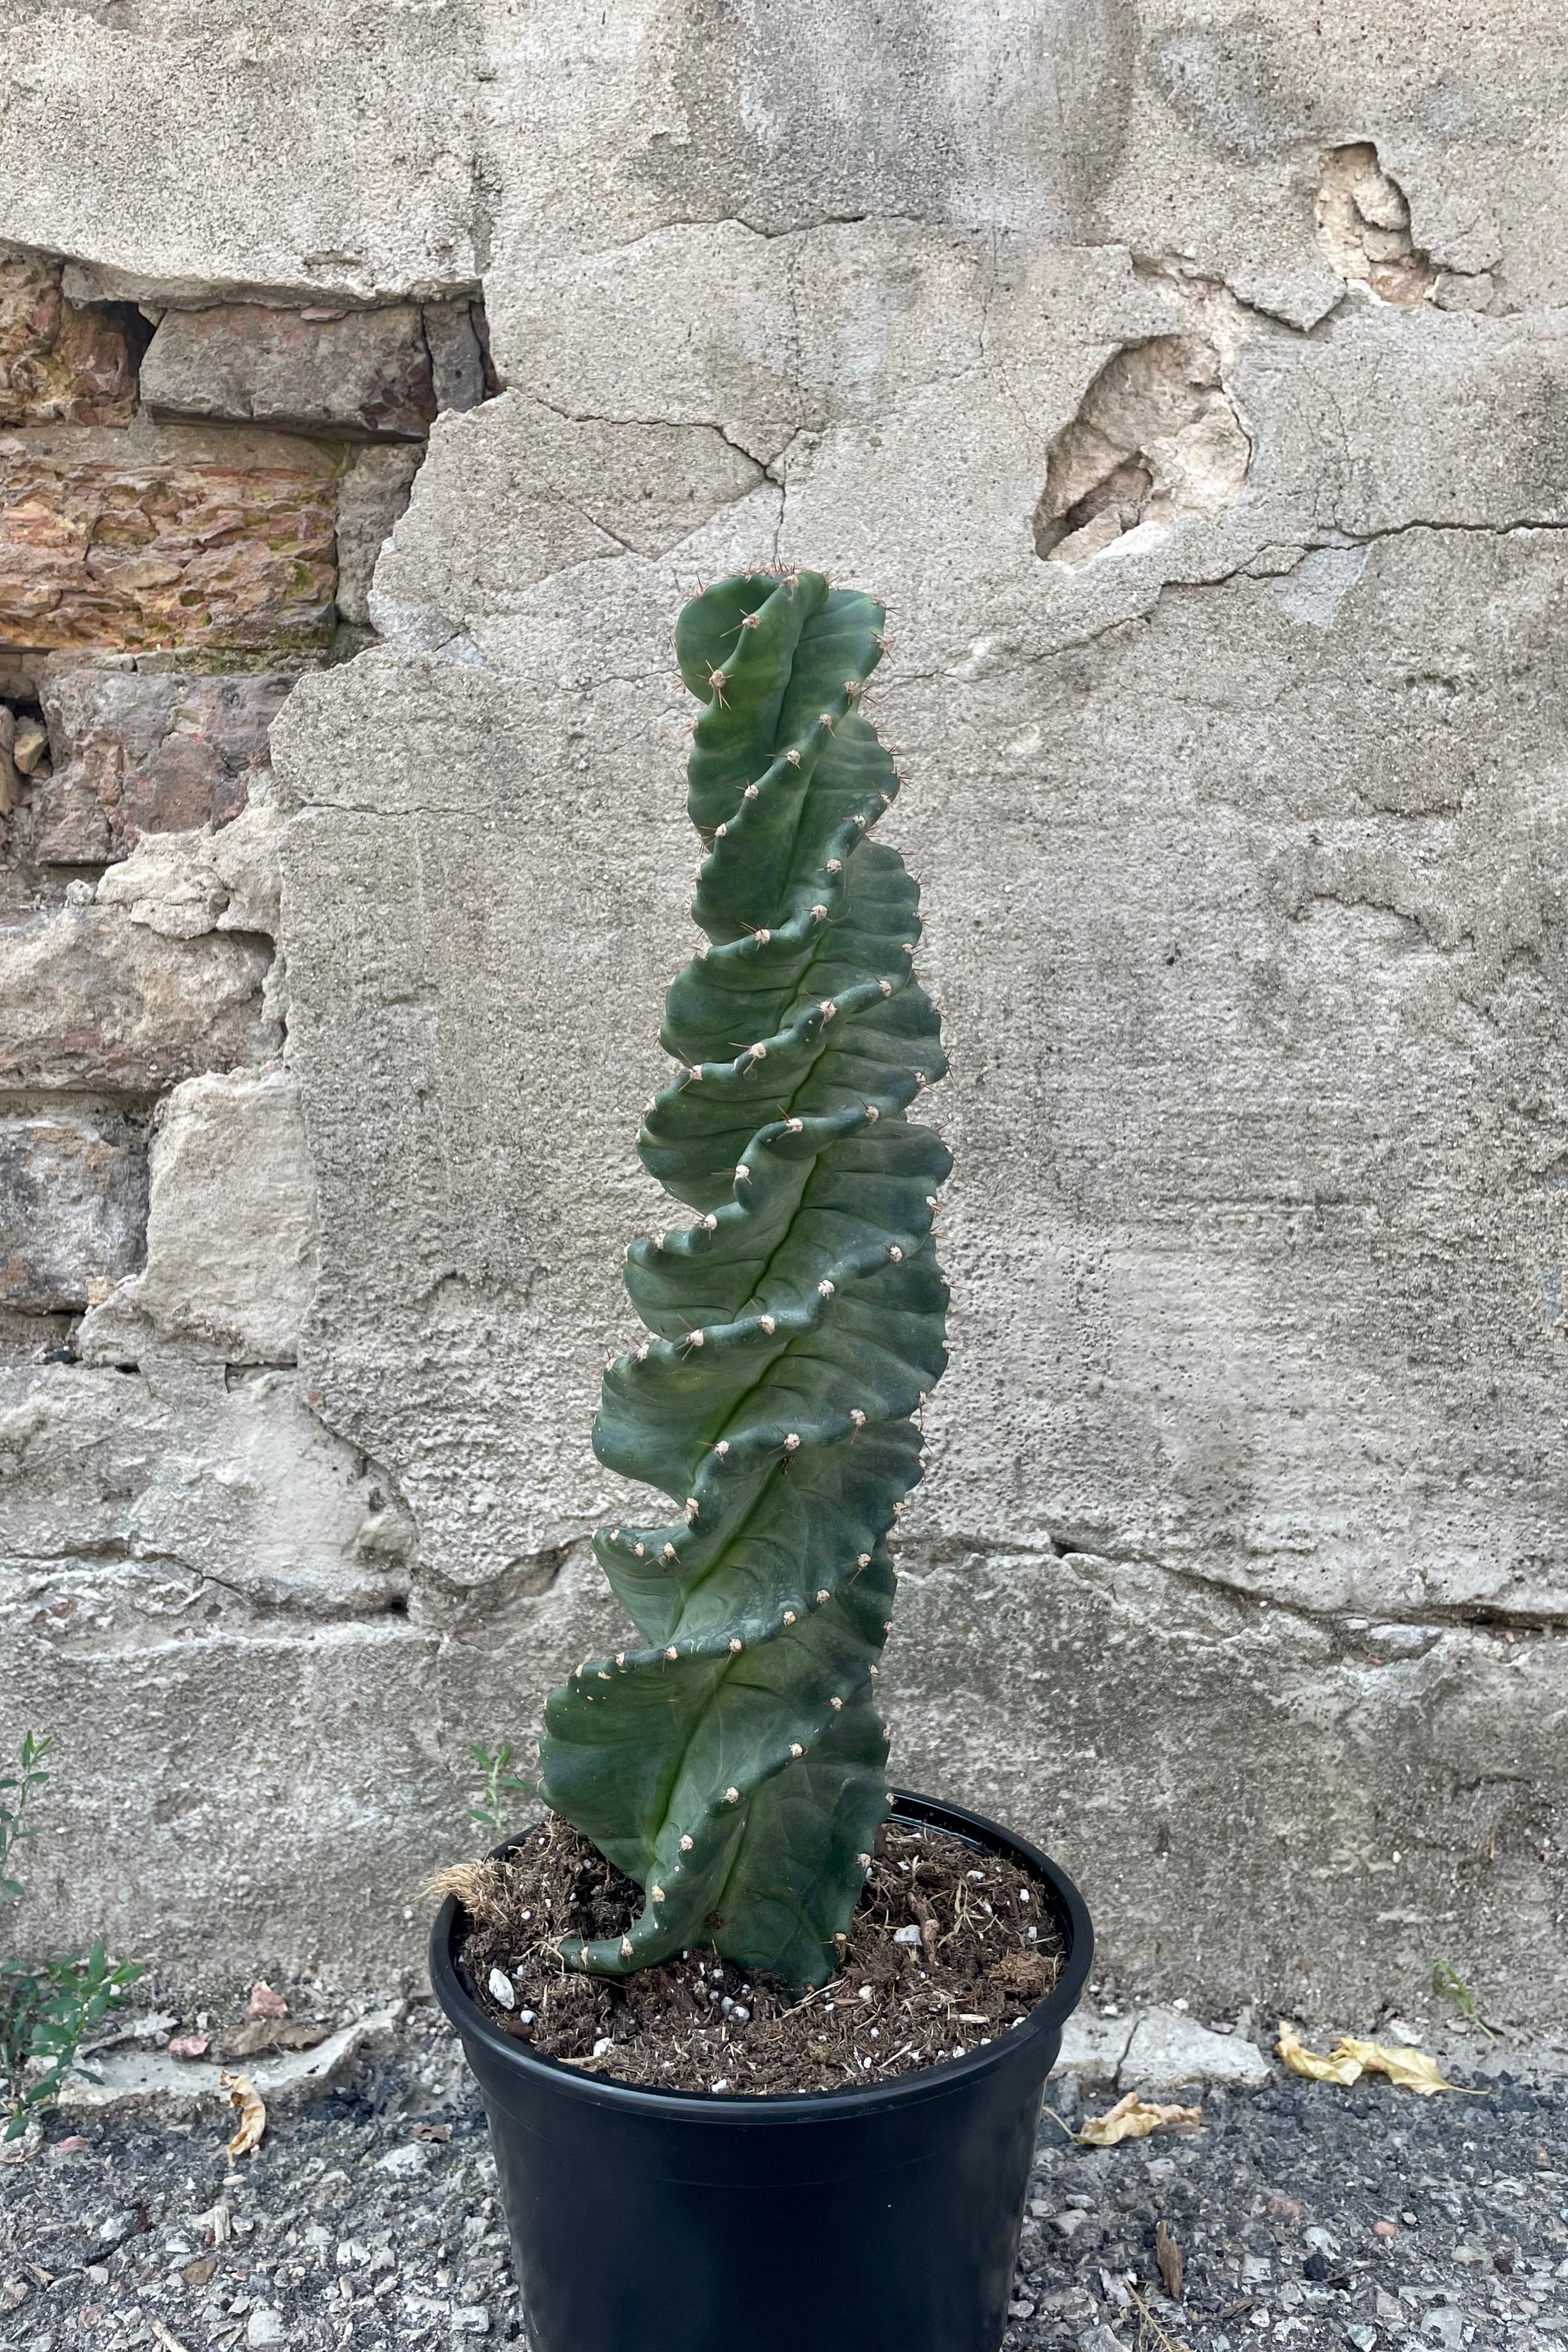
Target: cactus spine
734,1766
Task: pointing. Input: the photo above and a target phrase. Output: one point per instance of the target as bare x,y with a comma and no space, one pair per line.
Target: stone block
1168,2050
1092,2049
134,754
231,1228
371,494
98,552
185,884
133,2085
355,372
456,355
59,363
90,1000
73,1207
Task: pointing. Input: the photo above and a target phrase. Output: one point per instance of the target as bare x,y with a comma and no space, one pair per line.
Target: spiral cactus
734,1766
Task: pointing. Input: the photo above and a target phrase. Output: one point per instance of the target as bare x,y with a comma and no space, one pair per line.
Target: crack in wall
945,1553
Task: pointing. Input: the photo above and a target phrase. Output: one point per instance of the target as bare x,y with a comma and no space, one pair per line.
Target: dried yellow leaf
244,2094
1410,2070
1130,2118
1340,2066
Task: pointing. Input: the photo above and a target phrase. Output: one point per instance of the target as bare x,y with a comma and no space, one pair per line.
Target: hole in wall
1156,440
1363,227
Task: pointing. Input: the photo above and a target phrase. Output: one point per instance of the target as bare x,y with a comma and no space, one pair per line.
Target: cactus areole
734,1765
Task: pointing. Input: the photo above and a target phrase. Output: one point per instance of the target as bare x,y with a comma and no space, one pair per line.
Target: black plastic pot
685,2221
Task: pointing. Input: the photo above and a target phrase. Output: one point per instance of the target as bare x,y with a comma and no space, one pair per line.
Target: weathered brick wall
191,506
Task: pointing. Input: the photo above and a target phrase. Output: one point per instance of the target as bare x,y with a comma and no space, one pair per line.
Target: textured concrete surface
1193,391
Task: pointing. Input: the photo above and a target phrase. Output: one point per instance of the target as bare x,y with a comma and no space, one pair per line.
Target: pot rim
732,2108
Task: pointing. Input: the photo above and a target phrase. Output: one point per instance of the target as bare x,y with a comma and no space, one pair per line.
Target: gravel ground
370,2219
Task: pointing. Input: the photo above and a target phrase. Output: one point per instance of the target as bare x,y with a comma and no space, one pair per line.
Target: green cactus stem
734,1765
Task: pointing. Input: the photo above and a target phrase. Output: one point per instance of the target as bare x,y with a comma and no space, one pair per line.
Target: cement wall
1192,387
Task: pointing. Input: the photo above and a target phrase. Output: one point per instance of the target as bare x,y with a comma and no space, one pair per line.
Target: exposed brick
59,364
135,754
137,556
73,1207
358,372
92,1001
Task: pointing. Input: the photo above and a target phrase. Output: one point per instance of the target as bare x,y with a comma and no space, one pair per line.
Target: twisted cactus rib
734,1765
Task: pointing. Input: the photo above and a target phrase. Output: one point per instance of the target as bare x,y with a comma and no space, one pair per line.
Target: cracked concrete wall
1240,1570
